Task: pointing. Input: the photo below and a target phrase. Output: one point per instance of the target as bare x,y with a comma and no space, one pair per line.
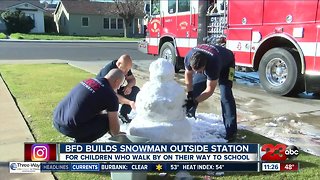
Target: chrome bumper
143,46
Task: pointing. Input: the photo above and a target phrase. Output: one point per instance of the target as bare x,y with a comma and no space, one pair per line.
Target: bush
16,36
3,36
17,21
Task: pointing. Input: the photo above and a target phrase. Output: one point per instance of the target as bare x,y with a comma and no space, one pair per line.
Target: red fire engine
279,38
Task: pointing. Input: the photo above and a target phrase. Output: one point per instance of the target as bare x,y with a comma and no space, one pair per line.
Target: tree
128,10
17,21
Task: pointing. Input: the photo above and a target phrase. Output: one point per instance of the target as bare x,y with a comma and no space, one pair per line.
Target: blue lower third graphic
85,167
55,167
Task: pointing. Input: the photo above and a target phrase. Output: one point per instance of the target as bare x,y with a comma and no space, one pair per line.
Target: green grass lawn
65,37
39,88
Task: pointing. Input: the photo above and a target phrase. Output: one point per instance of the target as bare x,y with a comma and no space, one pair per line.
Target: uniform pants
228,104
87,132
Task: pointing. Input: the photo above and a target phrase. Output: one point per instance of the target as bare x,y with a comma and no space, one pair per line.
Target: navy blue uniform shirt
112,65
85,101
219,59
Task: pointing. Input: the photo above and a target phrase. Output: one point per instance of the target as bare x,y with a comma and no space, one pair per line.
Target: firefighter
80,114
212,65
126,94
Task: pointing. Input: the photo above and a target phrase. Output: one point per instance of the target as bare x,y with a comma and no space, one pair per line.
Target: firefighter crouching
212,65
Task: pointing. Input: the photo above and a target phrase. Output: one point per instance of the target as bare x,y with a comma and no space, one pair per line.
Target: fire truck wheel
167,51
278,72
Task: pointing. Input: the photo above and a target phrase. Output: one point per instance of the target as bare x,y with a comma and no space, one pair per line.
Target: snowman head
161,70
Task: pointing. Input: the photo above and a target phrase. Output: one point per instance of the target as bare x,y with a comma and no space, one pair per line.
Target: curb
79,67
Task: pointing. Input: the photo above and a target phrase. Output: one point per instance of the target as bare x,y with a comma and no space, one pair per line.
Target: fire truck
277,38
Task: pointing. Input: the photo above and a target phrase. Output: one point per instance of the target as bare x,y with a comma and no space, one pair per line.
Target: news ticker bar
166,157
157,148
111,152
37,167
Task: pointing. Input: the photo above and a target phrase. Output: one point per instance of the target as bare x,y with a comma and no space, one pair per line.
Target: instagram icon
40,152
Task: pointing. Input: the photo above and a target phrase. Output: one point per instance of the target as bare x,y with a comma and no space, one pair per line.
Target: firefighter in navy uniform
80,114
212,65
126,94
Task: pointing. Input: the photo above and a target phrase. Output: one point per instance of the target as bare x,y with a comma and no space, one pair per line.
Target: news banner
148,157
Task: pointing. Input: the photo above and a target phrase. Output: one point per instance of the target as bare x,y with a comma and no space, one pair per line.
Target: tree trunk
128,28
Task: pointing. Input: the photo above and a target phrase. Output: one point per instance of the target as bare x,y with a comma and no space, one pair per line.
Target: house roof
5,4
90,8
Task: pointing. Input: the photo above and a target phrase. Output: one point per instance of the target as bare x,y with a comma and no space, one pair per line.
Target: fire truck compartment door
245,12
239,41
289,11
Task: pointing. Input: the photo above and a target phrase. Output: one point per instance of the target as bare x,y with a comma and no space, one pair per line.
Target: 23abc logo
279,152
40,152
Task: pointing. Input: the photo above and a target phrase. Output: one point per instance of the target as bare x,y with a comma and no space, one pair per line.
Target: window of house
120,23
183,5
106,23
85,21
64,21
171,6
113,23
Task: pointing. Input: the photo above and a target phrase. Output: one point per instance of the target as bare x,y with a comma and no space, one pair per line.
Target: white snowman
160,115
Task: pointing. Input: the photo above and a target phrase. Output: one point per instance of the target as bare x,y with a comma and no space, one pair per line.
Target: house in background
92,18
30,8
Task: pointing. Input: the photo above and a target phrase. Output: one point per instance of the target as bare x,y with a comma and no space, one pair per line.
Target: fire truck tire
278,72
167,51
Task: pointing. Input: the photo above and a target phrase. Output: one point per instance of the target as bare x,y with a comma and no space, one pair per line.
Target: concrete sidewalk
14,133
